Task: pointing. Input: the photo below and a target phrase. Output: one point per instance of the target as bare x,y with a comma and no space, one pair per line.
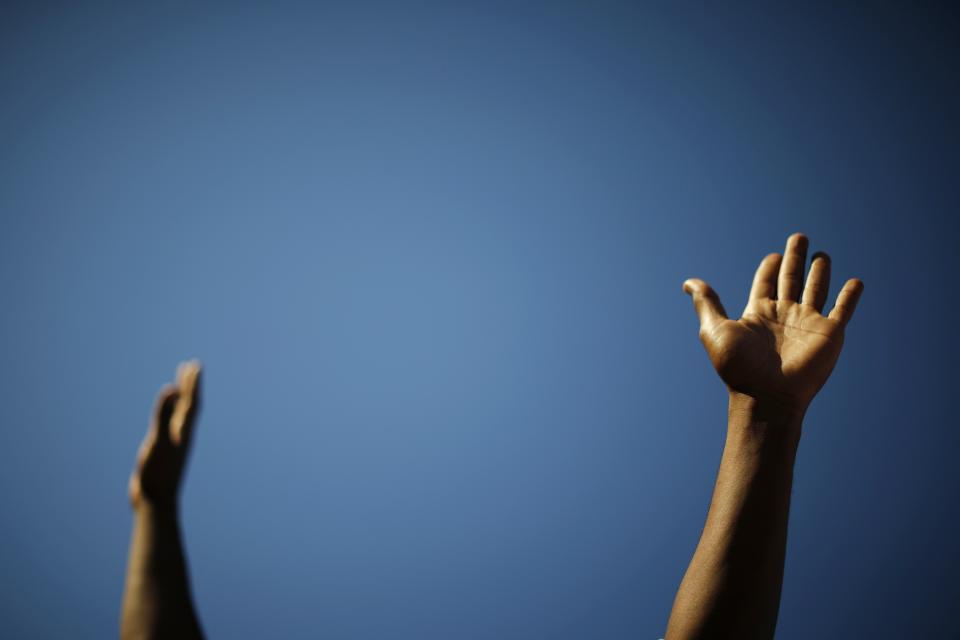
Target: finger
847,301
818,282
706,302
791,270
162,412
181,424
765,279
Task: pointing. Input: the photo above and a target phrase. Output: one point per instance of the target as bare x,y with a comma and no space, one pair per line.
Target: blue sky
431,257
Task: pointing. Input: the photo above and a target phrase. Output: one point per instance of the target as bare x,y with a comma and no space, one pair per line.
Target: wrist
159,512
764,421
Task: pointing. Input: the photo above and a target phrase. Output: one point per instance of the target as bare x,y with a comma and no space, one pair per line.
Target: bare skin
156,598
773,360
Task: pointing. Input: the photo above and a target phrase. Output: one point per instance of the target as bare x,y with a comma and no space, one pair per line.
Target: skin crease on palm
783,348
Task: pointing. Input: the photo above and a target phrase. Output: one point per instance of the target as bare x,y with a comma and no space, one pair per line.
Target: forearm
156,599
732,586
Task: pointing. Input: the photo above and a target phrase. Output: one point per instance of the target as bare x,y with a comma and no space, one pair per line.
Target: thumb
706,302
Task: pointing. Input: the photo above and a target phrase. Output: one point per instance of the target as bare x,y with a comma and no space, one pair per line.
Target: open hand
162,456
782,348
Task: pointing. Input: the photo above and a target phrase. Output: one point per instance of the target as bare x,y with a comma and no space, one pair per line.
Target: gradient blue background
431,256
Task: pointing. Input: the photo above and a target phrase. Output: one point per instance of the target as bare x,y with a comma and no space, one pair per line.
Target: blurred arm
156,598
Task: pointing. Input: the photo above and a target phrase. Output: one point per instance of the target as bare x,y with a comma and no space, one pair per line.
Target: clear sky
431,257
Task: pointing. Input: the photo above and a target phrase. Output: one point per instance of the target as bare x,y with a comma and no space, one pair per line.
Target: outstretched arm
773,360
156,599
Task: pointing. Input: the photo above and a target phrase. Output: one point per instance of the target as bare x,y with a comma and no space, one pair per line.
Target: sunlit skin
782,347
156,599
773,360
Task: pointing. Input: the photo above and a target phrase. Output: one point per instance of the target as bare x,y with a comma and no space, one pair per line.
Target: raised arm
773,360
156,599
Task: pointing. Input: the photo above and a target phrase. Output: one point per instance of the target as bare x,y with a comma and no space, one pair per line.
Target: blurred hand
782,349
163,454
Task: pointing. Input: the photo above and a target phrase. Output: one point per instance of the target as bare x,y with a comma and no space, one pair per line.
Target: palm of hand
781,348
778,349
